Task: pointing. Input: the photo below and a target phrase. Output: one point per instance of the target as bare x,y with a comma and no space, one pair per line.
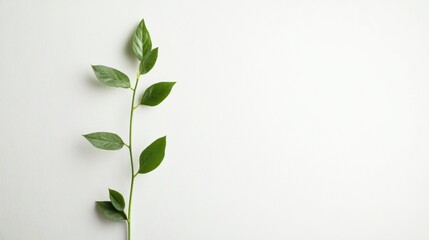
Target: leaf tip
163,140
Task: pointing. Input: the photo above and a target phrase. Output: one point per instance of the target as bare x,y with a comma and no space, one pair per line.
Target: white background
303,120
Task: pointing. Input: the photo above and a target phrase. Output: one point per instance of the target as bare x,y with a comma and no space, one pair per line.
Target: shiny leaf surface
153,155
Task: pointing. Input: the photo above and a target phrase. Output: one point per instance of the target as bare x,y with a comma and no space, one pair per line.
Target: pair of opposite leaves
153,155
150,159
142,48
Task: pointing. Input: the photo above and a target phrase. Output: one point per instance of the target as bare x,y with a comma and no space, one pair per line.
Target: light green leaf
110,212
142,43
105,140
156,93
111,77
148,61
153,155
117,200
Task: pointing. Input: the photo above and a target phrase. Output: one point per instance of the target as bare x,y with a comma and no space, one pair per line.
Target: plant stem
130,199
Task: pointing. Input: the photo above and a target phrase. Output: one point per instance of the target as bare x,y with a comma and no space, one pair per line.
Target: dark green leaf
152,156
105,140
117,200
111,77
156,93
148,61
142,43
110,212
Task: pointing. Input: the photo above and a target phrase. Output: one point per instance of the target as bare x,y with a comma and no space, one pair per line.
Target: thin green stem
133,175
138,105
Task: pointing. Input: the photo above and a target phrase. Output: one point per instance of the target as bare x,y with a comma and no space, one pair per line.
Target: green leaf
148,61
142,43
117,200
156,93
111,77
110,212
105,140
153,155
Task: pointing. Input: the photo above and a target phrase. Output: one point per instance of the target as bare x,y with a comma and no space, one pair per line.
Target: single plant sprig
152,156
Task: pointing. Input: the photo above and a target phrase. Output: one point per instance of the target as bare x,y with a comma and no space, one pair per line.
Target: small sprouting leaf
111,77
142,43
110,212
148,61
117,200
156,93
153,155
105,140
